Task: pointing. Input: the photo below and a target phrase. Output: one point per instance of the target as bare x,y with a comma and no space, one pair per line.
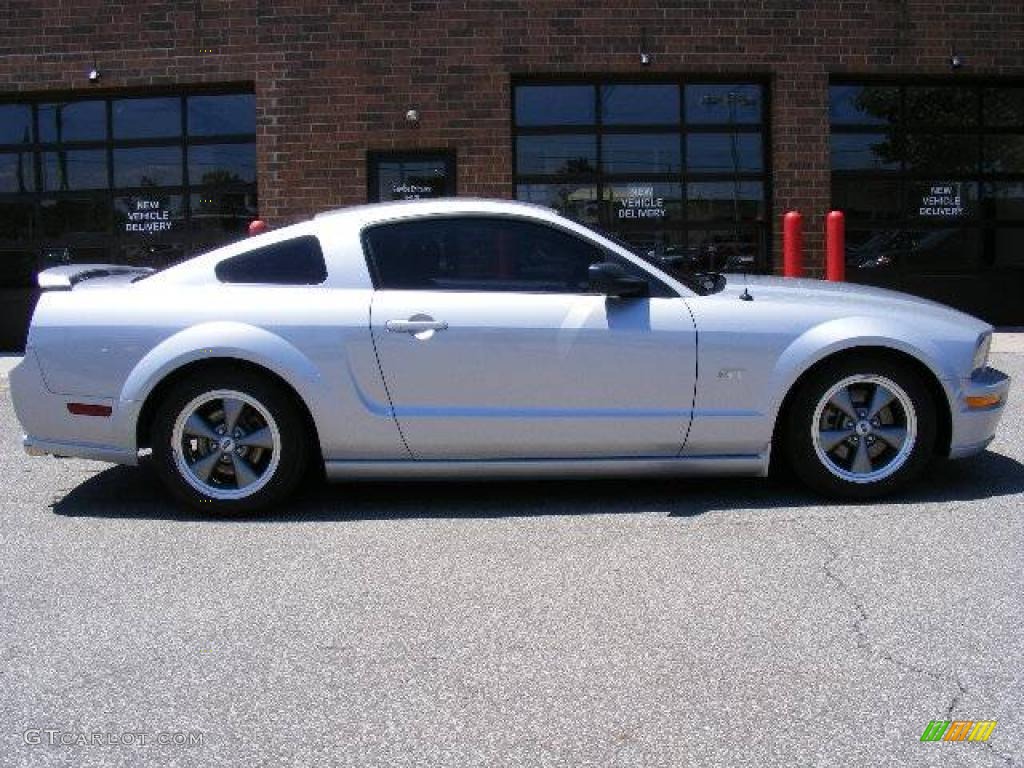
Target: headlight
981,352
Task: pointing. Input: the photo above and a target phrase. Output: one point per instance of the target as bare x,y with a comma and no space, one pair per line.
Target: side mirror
611,279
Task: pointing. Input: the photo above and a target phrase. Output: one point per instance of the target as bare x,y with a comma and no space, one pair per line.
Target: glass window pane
863,105
70,216
219,217
942,153
222,164
73,121
640,104
575,201
727,250
942,105
1004,154
1005,200
221,114
560,154
149,252
15,124
732,200
147,167
864,151
641,153
1009,247
75,169
144,215
940,251
724,152
942,201
876,250
643,202
867,200
399,179
554,105
1003,106
298,261
18,269
15,220
147,118
16,174
723,104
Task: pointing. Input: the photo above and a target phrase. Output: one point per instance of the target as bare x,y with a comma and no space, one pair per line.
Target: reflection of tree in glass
220,176
577,165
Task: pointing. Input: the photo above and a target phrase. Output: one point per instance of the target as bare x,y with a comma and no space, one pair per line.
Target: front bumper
973,427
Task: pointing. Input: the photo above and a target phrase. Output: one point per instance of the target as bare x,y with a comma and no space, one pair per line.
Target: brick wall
334,80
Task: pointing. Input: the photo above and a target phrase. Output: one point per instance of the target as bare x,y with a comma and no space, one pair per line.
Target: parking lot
643,623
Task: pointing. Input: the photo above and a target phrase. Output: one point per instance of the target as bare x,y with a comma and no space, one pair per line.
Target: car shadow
134,492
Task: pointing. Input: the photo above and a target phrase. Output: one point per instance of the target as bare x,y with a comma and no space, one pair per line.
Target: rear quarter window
298,261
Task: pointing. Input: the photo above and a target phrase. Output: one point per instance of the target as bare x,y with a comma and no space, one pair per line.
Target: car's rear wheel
229,442
861,427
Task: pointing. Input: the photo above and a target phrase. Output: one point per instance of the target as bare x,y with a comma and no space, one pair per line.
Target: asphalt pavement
639,623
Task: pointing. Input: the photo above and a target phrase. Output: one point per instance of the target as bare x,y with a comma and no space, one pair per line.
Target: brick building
686,127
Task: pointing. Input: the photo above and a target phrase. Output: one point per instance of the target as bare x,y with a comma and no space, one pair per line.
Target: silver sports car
468,338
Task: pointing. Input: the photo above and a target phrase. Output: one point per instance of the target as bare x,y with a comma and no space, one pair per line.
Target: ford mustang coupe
471,338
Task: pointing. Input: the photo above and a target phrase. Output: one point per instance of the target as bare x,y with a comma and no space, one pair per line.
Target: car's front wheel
229,442
861,427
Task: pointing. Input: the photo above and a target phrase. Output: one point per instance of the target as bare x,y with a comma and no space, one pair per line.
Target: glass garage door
931,177
676,168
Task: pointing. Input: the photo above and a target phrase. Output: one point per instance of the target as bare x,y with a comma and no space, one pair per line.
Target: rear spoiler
66,277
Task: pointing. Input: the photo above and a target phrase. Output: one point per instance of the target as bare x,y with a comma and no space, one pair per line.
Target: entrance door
410,175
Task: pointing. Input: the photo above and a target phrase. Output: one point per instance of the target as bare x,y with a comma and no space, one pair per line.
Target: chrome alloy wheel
226,444
864,428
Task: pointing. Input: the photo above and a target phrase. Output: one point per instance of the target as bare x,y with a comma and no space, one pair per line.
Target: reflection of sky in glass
555,105
75,169
147,166
641,153
73,121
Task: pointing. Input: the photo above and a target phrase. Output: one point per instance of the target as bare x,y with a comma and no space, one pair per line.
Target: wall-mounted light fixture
956,60
412,116
645,56
94,74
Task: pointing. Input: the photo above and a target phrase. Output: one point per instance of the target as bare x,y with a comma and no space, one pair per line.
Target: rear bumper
974,428
51,429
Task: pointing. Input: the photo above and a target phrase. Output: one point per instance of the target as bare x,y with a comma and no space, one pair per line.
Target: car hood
851,299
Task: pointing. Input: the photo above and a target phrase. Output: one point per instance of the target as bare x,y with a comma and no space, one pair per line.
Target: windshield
701,283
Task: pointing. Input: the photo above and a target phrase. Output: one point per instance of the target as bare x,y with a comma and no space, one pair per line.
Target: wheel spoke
260,438
197,427
244,474
204,467
879,400
894,436
830,438
842,401
232,410
862,462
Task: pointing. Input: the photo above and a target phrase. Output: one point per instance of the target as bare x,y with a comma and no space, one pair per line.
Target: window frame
659,288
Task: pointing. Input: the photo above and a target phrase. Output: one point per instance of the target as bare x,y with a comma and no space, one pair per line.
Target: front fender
828,338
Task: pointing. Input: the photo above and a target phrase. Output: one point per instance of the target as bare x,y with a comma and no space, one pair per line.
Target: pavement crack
863,638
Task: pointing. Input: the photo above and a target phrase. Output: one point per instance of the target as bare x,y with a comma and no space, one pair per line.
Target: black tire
273,485
831,471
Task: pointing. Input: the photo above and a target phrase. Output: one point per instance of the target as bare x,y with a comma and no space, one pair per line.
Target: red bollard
257,227
835,246
793,244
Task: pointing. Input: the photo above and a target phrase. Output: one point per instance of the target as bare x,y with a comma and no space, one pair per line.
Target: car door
492,348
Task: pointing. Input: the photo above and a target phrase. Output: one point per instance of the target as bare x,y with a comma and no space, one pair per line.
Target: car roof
435,206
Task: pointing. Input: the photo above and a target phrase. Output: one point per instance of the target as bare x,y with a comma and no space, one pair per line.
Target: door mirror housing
611,279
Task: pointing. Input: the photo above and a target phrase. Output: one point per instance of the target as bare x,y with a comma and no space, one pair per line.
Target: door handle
415,325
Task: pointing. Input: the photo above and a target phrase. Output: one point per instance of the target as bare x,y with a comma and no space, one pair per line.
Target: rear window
291,262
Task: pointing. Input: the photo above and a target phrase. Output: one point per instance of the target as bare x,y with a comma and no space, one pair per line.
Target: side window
479,254
290,262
